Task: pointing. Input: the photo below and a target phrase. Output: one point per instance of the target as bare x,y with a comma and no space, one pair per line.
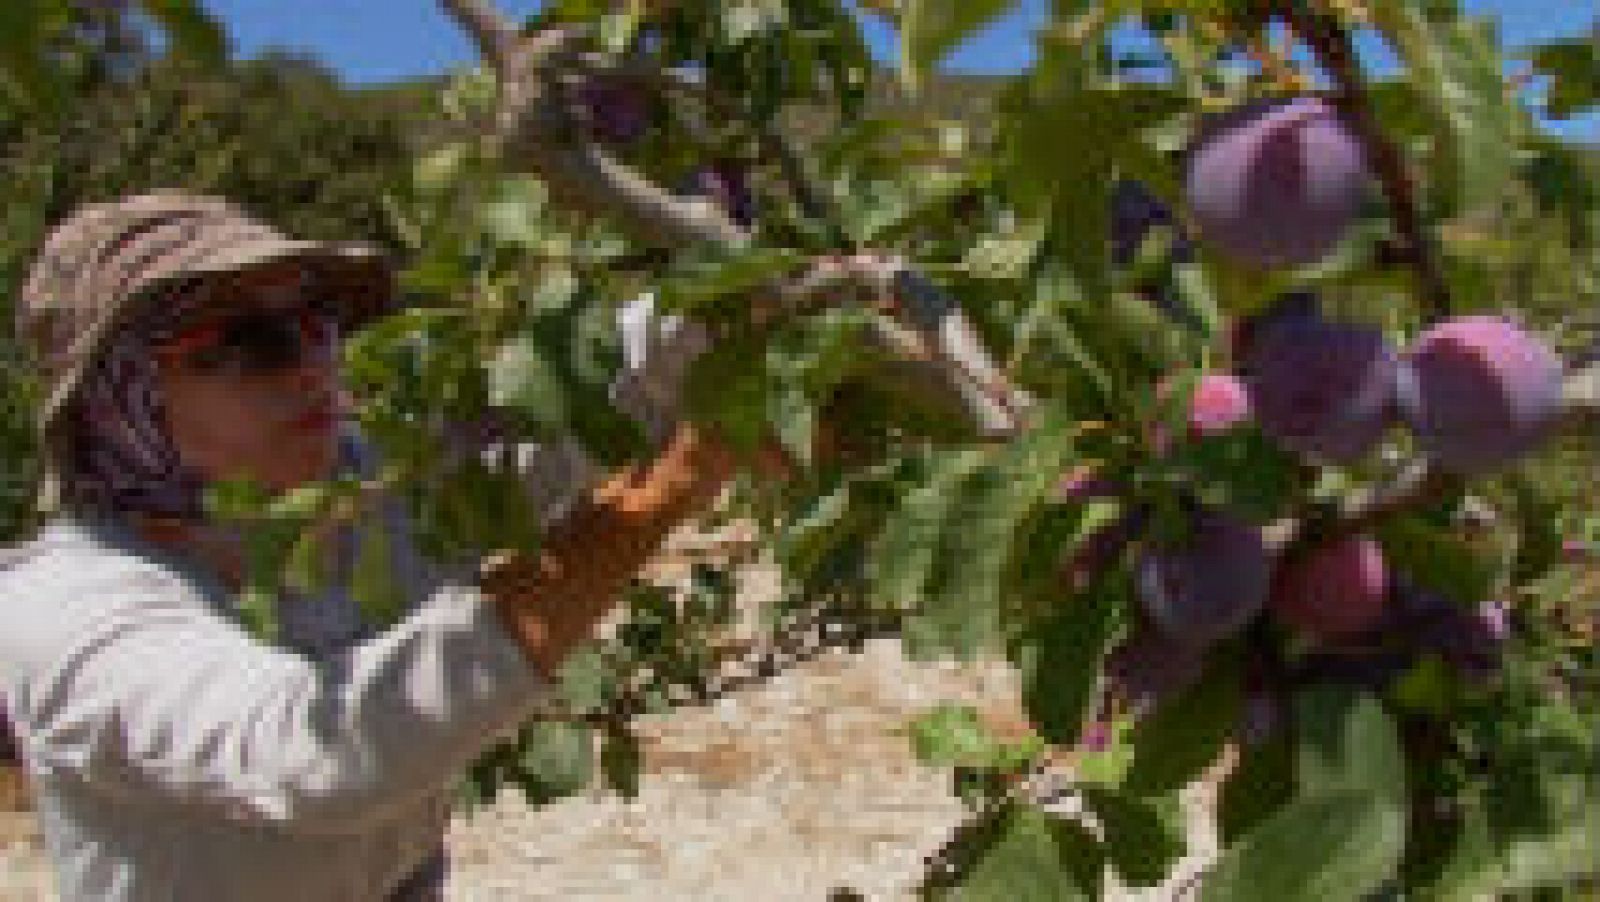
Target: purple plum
1322,389
1210,585
1333,592
1479,392
1277,185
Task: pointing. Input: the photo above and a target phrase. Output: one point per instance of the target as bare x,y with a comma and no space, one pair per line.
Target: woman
171,756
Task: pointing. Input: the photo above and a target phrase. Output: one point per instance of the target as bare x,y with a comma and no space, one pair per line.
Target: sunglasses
254,342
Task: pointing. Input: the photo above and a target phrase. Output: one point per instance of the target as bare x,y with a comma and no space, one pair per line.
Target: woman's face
277,425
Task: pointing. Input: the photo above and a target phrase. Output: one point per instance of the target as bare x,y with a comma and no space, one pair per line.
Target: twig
490,30
1331,43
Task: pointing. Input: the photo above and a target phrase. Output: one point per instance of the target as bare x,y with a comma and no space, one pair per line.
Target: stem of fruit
1331,43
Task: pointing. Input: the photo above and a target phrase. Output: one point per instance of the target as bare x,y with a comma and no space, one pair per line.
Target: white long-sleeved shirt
172,756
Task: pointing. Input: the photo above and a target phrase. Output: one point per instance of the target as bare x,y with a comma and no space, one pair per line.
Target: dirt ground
791,790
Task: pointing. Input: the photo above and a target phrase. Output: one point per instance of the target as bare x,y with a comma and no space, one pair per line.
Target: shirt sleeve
150,695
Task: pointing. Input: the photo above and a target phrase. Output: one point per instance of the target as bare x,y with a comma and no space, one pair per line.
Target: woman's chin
305,461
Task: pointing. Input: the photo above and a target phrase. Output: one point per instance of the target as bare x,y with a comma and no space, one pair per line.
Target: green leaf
257,609
1346,742
1185,733
1259,785
724,388
951,735
1024,864
309,565
814,531
1339,846
902,556
1538,538
1060,665
24,26
556,761
1141,841
931,29
585,679
1573,66
961,611
515,215
706,275
621,761
1438,560
1455,67
1081,854
193,32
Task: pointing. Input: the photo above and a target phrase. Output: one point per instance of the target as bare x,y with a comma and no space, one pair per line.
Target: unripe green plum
1208,586
1479,392
1334,591
1322,389
1277,184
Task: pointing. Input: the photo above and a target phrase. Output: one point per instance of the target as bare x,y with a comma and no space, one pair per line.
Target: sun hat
94,268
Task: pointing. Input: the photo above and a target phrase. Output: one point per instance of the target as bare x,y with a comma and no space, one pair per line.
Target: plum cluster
1478,392
1279,183
1358,622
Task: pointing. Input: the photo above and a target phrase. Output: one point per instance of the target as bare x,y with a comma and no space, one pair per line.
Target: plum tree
1334,591
1276,185
1210,585
1479,392
1322,389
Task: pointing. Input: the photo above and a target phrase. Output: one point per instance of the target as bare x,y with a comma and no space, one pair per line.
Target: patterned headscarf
123,457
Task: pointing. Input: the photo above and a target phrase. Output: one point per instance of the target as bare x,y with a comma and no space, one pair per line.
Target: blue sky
380,40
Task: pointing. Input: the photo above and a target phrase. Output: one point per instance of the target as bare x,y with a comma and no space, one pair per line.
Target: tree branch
535,127
1332,46
489,28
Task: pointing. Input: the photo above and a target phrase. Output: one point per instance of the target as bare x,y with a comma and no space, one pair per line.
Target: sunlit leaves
1453,65
1343,834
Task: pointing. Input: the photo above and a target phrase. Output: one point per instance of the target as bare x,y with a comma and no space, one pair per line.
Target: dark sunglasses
258,341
